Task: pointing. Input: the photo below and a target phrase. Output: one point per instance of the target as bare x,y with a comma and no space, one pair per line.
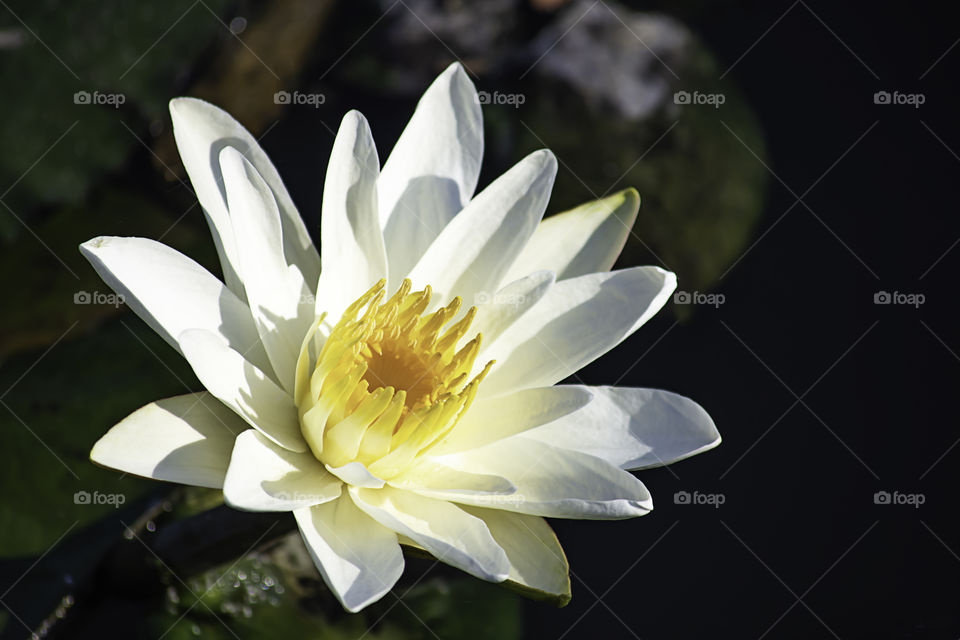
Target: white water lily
399,388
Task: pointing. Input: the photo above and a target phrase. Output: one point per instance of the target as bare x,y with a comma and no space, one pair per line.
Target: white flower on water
400,387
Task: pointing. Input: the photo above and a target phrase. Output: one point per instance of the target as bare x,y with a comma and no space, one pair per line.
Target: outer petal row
172,293
202,131
184,439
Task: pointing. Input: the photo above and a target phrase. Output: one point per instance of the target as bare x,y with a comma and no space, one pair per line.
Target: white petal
496,312
537,562
173,293
446,531
356,474
184,439
353,256
474,251
243,387
202,131
633,428
434,479
491,419
359,559
576,322
552,482
432,171
265,477
279,299
583,240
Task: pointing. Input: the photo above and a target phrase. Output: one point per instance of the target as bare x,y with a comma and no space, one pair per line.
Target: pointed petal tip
353,116
457,69
545,157
182,104
631,198
88,247
669,279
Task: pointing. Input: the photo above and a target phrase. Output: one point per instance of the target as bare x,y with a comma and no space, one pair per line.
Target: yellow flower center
389,381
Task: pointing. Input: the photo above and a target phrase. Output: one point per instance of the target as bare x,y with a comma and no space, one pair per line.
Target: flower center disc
389,382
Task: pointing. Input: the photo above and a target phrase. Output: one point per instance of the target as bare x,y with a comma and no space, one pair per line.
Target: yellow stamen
389,382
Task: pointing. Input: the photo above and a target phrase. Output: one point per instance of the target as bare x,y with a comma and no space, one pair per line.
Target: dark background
823,397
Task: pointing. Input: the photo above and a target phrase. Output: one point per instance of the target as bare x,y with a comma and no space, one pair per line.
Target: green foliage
57,409
255,597
110,47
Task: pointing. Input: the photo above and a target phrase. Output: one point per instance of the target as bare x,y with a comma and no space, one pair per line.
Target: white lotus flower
386,412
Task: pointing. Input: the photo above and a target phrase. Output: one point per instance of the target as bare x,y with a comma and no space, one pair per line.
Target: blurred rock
632,99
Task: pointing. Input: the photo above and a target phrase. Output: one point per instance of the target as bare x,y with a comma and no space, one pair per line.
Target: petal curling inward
432,171
184,439
265,477
449,533
538,566
359,559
